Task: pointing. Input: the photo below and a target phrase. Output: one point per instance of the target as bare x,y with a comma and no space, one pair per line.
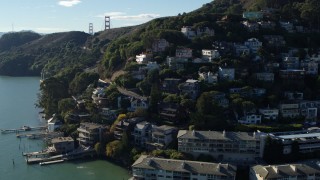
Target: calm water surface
17,99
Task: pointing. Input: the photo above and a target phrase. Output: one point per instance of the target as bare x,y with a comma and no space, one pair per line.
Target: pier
43,158
23,129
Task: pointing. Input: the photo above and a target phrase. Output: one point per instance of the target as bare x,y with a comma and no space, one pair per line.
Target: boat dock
51,162
32,136
45,159
23,129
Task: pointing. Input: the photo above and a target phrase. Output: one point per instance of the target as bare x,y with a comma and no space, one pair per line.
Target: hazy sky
47,16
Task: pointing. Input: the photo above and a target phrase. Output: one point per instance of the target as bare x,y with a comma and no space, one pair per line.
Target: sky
48,16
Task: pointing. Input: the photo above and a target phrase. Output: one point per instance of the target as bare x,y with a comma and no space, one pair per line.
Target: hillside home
304,170
309,109
267,77
188,32
223,47
289,109
54,123
90,133
290,95
250,118
208,77
98,96
170,112
290,63
184,53
253,44
136,101
149,168
151,66
292,74
226,73
274,40
142,134
126,126
267,24
191,87
143,58
288,26
161,137
310,67
170,85
191,33
220,99
253,15
269,113
240,49
251,26
108,115
248,92
209,55
159,45
176,63
139,75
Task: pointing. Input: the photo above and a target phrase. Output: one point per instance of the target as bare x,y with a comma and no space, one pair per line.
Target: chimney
224,133
193,133
293,167
254,134
275,168
219,167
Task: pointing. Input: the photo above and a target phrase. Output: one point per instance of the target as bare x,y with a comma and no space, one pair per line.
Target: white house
143,58
188,32
53,123
250,119
209,55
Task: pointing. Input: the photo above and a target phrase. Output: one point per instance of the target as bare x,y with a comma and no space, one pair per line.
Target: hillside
28,53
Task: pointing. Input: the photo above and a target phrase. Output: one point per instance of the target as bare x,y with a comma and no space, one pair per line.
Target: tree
98,148
114,149
81,82
65,105
154,97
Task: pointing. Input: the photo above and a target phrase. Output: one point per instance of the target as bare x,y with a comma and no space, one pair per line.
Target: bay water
18,96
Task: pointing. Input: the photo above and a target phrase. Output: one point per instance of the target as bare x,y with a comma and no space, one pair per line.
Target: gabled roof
148,162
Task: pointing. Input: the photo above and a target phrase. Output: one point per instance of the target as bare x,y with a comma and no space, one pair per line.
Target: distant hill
27,53
1,33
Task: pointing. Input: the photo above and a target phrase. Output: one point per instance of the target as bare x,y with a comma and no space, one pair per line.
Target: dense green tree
82,81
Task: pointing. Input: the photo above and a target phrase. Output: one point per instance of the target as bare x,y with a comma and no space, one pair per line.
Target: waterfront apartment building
308,171
308,140
151,168
90,133
235,147
63,144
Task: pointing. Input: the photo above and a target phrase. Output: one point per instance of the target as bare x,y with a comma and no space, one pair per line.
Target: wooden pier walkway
23,129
